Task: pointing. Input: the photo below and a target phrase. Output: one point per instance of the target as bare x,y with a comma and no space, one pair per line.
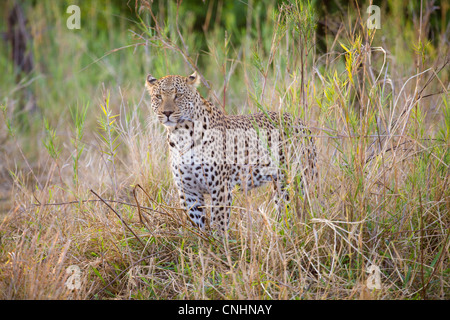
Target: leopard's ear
151,79
193,79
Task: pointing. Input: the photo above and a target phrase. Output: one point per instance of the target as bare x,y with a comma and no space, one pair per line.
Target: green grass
377,103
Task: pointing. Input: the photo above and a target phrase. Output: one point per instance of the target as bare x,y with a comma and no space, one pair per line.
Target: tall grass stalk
79,120
109,138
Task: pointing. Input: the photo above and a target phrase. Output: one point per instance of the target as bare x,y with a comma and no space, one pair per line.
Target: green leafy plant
109,137
79,119
51,141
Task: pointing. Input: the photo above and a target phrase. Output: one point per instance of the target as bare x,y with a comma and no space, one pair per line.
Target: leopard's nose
167,113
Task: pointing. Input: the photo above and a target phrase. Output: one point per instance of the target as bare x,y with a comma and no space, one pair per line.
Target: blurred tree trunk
19,38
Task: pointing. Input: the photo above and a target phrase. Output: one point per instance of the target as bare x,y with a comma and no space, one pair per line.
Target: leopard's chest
194,158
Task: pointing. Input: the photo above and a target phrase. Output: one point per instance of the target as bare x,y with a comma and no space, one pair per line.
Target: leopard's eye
178,95
158,96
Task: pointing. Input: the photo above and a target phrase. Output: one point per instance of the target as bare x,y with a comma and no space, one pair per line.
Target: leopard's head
172,97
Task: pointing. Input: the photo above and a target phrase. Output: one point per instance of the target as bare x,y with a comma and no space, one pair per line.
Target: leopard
212,152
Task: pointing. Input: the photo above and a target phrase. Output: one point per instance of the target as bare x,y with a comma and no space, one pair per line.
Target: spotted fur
212,152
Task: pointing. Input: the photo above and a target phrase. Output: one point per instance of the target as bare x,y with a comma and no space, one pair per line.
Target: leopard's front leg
191,198
194,204
221,200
